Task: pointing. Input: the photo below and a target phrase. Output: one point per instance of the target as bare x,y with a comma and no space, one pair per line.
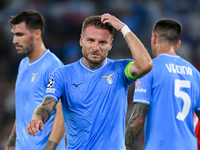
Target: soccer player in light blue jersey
166,98
93,90
34,73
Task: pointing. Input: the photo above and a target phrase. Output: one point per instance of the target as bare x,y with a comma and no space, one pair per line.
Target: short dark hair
169,29
96,21
33,19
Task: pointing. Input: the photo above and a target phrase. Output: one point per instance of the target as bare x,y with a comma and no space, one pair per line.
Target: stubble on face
94,60
24,40
95,46
28,48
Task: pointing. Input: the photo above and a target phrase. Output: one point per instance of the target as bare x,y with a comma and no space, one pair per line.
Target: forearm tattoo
135,124
135,74
12,138
45,109
50,145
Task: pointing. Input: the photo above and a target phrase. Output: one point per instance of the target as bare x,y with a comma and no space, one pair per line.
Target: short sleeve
143,89
55,86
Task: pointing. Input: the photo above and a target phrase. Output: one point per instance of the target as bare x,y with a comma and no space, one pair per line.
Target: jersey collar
166,54
89,69
38,59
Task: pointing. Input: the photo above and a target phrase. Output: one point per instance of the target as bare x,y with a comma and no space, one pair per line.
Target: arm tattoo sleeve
12,137
50,145
135,124
135,75
45,109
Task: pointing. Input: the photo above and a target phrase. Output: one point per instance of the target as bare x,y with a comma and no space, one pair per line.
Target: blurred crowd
62,32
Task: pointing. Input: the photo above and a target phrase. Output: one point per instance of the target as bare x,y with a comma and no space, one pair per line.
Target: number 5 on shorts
185,97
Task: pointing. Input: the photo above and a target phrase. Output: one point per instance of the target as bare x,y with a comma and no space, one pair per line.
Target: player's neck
38,50
166,49
171,52
92,65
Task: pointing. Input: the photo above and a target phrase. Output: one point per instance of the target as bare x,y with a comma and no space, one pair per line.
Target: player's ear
154,39
80,41
37,34
111,44
178,44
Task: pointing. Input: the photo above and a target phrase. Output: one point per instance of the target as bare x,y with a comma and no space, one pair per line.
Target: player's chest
86,88
29,77
86,82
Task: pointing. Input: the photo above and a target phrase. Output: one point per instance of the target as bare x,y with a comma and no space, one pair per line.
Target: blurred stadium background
62,32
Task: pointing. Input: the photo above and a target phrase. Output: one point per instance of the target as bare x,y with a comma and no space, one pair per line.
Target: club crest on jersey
33,76
51,82
108,78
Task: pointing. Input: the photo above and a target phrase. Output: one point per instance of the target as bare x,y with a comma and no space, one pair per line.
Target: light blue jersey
172,90
94,103
31,84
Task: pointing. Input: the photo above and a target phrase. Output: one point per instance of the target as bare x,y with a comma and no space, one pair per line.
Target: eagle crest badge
108,78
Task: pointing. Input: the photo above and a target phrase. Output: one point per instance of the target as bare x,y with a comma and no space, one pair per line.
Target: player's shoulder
24,61
172,61
51,60
69,67
158,65
189,65
50,55
160,58
119,61
163,59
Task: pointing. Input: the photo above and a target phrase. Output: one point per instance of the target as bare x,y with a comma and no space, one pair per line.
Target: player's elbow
145,68
148,66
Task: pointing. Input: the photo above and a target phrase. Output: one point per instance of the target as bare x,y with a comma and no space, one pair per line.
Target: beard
26,49
96,60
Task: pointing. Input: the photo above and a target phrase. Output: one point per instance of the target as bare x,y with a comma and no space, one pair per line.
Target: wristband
125,29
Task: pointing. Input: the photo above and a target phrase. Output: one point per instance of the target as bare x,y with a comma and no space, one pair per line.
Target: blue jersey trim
89,69
34,62
166,54
141,101
52,97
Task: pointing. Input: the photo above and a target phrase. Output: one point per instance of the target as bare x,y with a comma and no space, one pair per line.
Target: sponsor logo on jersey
139,89
76,85
108,78
33,76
